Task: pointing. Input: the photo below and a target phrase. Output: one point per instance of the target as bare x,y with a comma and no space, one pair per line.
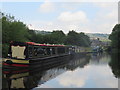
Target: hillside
102,37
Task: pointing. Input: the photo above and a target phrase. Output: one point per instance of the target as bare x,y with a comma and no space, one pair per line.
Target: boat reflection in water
47,70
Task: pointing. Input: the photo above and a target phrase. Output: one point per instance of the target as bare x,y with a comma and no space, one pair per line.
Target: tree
72,38
13,30
114,36
58,37
84,39
55,37
78,39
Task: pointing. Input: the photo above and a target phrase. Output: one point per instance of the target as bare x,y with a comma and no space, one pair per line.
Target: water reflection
85,71
115,64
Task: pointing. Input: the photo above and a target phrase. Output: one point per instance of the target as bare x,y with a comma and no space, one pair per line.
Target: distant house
95,43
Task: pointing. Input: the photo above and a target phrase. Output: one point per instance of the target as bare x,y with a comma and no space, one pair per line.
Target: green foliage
72,38
115,62
114,36
32,36
5,48
13,30
79,39
56,37
84,39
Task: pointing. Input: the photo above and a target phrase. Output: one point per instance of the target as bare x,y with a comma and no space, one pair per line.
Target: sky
88,17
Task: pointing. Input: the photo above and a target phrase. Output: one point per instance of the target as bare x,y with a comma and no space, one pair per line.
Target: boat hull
14,63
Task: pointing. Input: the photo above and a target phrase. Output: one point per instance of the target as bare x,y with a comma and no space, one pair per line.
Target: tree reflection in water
115,64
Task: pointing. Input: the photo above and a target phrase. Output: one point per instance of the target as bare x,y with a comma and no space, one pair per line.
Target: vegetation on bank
58,37
115,37
15,30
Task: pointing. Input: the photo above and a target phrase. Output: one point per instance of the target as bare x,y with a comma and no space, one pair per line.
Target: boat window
67,49
45,51
18,52
30,51
40,51
48,51
61,50
53,50
35,51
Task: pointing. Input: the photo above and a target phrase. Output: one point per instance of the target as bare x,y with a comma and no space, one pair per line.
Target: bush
5,48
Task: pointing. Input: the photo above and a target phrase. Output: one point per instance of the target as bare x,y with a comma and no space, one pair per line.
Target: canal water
78,71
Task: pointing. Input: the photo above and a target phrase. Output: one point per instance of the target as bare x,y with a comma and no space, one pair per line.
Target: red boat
24,54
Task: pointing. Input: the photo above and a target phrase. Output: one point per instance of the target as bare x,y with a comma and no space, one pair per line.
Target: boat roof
33,43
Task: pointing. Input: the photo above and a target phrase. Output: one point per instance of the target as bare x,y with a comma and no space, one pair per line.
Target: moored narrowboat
24,54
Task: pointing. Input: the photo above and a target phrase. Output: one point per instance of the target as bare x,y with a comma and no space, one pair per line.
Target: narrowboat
24,54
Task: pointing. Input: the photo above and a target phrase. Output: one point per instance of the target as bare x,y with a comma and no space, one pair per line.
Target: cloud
79,19
106,18
47,7
73,21
106,4
60,0
104,76
74,80
79,16
45,86
81,78
72,27
70,6
90,0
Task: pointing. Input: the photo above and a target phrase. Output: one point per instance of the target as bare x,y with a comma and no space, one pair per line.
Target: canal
78,71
